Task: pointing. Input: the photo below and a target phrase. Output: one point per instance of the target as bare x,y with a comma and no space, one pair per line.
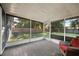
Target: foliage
74,24
37,25
57,26
23,23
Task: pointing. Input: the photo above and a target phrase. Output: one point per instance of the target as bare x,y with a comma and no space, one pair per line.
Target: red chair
71,48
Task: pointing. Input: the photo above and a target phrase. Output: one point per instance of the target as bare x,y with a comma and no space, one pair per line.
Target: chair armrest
69,47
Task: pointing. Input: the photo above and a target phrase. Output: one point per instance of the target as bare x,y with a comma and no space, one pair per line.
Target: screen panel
71,29
46,30
19,29
36,29
57,30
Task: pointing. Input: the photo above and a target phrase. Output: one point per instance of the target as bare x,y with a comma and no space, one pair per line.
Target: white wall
0,30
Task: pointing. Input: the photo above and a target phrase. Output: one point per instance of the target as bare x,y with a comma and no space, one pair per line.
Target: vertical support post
64,31
50,30
30,32
43,31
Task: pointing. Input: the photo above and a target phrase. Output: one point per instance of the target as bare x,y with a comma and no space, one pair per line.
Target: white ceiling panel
42,11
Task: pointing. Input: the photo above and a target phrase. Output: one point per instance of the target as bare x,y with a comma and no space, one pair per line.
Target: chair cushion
75,42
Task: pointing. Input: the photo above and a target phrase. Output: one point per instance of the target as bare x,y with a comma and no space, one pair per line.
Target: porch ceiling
42,11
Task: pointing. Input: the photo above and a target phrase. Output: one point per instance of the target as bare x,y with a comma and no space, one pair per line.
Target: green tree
23,23
77,23
57,26
37,25
74,23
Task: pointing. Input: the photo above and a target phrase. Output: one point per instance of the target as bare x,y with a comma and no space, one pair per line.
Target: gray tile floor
38,48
